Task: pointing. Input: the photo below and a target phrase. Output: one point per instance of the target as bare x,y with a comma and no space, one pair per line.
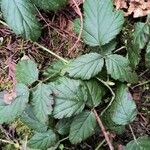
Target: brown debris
138,8
9,97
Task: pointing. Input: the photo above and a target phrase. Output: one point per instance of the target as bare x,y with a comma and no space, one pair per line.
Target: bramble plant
68,92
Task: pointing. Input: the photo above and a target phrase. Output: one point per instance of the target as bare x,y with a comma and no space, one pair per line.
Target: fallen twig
103,130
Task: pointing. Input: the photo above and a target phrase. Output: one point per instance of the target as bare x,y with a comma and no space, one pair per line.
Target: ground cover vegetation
74,74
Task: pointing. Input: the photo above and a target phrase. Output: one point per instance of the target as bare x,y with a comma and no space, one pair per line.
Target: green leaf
110,125
86,66
123,109
95,93
43,140
22,20
77,25
51,5
54,70
143,143
133,54
26,72
141,34
82,127
70,98
147,57
9,112
109,47
42,101
29,118
101,23
119,68
63,126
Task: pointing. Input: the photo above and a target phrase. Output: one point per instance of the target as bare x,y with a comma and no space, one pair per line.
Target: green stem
52,53
140,84
63,139
112,92
5,141
99,145
3,23
133,134
16,145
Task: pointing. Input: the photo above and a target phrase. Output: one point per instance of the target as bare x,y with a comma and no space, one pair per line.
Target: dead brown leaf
120,4
138,8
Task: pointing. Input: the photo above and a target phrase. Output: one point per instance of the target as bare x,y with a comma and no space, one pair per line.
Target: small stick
81,28
103,130
99,145
141,84
52,53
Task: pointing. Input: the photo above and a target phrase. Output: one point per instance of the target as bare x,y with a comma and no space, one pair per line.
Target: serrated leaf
43,140
101,23
51,5
42,101
147,57
123,109
54,70
86,66
119,68
9,112
95,93
142,143
26,72
141,34
82,127
110,125
109,47
29,118
22,21
133,55
70,98
63,126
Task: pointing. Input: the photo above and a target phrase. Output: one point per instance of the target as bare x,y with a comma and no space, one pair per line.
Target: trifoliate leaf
119,68
43,140
82,127
26,72
22,20
86,66
9,112
42,101
147,57
142,143
123,109
54,70
63,126
101,23
29,118
95,93
51,5
70,98
141,34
